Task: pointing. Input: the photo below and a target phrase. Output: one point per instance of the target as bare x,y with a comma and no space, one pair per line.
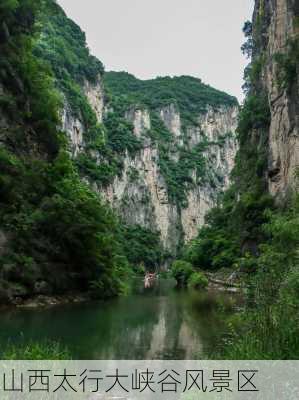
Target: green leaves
54,216
142,247
188,94
36,351
182,271
63,45
288,65
198,281
255,114
120,135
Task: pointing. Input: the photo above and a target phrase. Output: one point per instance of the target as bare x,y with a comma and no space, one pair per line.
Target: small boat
149,280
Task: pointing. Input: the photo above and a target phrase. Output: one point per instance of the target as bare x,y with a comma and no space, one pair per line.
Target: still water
157,323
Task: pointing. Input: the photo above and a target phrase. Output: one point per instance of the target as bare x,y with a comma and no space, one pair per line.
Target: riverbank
44,301
227,280
222,281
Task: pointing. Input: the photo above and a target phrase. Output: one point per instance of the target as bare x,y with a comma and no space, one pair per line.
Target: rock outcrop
140,195
73,124
74,129
276,24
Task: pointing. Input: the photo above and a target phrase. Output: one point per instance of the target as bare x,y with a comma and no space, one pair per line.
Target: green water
160,323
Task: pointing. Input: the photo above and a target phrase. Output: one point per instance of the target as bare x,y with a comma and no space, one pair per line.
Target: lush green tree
198,281
247,47
60,231
142,247
181,271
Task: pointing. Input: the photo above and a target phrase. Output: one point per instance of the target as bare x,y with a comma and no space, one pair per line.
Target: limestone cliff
275,33
73,124
140,192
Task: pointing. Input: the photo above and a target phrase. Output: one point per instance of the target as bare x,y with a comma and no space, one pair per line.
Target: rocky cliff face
276,30
73,125
140,193
159,151
220,160
143,198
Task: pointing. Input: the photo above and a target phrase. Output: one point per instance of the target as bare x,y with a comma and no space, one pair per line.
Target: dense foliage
143,248
63,45
272,314
60,234
59,225
27,81
181,271
198,281
185,275
249,234
287,65
189,94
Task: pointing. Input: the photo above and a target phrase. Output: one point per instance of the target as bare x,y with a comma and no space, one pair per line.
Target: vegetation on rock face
250,234
120,136
188,94
178,174
60,234
287,65
236,225
62,44
191,98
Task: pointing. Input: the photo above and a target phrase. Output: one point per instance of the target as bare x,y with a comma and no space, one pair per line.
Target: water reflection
162,323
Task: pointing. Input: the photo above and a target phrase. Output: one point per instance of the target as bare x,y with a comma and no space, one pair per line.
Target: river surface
157,323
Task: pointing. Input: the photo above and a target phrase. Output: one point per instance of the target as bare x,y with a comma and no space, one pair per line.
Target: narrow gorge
150,157
109,182
174,140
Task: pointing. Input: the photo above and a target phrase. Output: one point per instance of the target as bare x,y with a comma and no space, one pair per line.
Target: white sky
150,38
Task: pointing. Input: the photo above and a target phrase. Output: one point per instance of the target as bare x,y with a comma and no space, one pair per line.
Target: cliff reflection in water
160,323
